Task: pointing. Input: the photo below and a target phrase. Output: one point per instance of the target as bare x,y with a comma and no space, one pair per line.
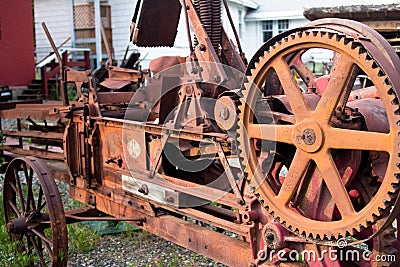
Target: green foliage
8,255
2,138
175,260
71,92
81,238
3,164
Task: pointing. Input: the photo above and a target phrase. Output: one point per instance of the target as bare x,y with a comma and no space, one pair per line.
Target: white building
273,17
256,21
59,17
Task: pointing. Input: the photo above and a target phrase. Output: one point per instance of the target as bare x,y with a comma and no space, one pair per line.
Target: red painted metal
17,57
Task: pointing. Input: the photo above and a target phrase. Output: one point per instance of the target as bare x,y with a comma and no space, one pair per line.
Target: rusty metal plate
114,84
156,22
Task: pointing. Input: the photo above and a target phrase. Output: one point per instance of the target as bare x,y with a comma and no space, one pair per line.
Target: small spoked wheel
34,213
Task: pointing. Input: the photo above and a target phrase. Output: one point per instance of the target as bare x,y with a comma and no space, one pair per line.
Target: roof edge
247,3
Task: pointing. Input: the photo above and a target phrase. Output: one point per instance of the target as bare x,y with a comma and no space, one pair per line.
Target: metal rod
106,44
97,14
228,12
79,218
185,7
54,47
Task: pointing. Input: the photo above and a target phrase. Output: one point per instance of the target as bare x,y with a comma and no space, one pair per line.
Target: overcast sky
378,2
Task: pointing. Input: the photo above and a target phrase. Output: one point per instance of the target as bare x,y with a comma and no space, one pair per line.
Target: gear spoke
30,202
338,83
297,169
358,140
43,237
19,190
333,181
38,250
292,90
312,138
14,208
278,133
304,72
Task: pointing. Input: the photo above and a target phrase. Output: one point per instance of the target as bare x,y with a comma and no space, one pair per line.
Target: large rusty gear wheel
314,136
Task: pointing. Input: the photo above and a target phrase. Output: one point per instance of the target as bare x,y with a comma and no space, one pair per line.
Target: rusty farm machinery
259,163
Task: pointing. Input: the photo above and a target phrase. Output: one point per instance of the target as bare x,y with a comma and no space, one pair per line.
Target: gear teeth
356,229
254,71
376,217
362,55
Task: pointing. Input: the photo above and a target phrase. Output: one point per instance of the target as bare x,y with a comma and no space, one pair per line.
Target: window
267,30
271,28
283,25
241,23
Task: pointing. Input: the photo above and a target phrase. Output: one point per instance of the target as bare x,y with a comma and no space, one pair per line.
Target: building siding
58,18
121,17
57,15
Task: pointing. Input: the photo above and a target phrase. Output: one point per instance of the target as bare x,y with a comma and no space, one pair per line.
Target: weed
81,238
8,250
174,261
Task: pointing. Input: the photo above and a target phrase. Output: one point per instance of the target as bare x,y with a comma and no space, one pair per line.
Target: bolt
217,79
195,70
170,199
309,137
224,113
203,47
10,227
188,90
270,237
143,189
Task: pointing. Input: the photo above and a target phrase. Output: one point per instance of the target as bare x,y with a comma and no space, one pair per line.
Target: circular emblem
134,148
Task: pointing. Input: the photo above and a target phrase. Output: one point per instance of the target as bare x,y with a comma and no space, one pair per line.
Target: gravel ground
142,250
131,249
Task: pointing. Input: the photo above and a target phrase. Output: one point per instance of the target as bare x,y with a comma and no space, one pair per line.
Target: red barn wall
17,65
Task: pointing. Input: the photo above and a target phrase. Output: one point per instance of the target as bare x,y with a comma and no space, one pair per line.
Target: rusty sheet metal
227,250
34,112
114,84
355,12
33,152
114,97
156,23
34,134
13,104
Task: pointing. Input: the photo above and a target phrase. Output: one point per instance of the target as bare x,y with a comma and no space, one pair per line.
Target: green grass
81,239
8,257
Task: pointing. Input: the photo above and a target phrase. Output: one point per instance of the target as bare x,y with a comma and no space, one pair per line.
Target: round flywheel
34,213
331,123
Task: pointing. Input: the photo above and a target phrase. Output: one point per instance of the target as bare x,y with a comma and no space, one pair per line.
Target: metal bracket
229,174
156,167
